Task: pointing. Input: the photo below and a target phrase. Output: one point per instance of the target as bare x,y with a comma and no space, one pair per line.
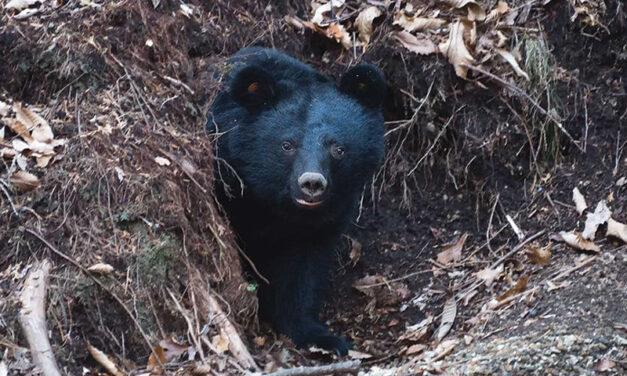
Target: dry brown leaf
42,133
101,268
102,359
358,355
579,200
452,252
604,365
500,9
593,220
617,230
418,332
167,351
475,11
415,349
442,350
27,116
422,46
539,255
489,275
20,4
220,343
519,287
448,318
509,57
321,11
20,129
355,253
364,21
338,33
455,49
24,181
575,240
413,23
383,292
7,153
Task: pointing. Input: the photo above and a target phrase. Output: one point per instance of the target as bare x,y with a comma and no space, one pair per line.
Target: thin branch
351,366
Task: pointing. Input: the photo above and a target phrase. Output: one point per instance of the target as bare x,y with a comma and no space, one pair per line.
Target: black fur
277,119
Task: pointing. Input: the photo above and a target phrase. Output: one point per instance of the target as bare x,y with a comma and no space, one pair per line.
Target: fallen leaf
4,109
321,10
622,181
413,23
519,287
617,230
455,49
167,351
593,220
576,241
415,349
448,318
452,252
101,268
442,350
104,361
221,343
489,275
383,292
364,21
539,255
475,11
355,252
337,32
21,4
24,181
417,332
20,129
422,46
604,365
509,57
500,9
162,161
580,201
27,116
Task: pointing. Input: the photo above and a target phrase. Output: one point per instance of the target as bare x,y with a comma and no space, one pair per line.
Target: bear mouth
308,204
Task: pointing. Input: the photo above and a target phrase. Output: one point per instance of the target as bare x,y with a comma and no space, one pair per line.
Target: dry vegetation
497,110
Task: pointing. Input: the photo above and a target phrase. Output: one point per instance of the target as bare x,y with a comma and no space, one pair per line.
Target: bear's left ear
365,83
253,87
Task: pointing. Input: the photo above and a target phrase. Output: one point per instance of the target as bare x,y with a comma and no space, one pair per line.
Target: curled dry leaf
167,351
422,46
500,9
617,230
475,11
593,220
104,361
448,318
489,275
418,332
575,240
519,287
452,252
101,268
320,11
337,32
364,21
383,292
539,255
579,200
20,129
413,23
455,49
509,57
24,181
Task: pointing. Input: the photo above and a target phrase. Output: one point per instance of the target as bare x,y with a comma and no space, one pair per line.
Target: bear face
299,142
302,147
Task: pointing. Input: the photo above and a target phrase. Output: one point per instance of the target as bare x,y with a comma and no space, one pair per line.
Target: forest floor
467,256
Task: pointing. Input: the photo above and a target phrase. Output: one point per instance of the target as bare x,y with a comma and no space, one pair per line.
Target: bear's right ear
253,87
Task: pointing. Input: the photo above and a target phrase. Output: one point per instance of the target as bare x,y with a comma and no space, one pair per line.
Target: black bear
302,147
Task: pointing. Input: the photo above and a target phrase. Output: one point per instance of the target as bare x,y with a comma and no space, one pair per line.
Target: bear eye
287,146
337,151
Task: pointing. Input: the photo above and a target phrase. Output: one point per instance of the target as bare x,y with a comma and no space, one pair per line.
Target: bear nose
312,184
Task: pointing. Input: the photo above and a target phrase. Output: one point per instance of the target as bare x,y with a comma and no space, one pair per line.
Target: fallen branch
32,318
351,366
218,317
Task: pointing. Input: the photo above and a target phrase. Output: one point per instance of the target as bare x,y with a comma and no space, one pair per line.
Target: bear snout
312,184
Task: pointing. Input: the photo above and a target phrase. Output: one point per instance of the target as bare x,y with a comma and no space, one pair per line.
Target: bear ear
253,87
365,83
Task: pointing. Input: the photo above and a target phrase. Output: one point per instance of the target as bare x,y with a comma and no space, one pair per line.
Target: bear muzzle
312,186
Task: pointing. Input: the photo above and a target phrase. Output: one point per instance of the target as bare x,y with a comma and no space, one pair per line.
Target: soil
482,170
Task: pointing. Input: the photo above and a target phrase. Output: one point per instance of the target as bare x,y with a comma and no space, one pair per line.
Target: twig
32,318
100,284
435,142
521,92
6,193
179,83
519,233
351,366
489,229
517,248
